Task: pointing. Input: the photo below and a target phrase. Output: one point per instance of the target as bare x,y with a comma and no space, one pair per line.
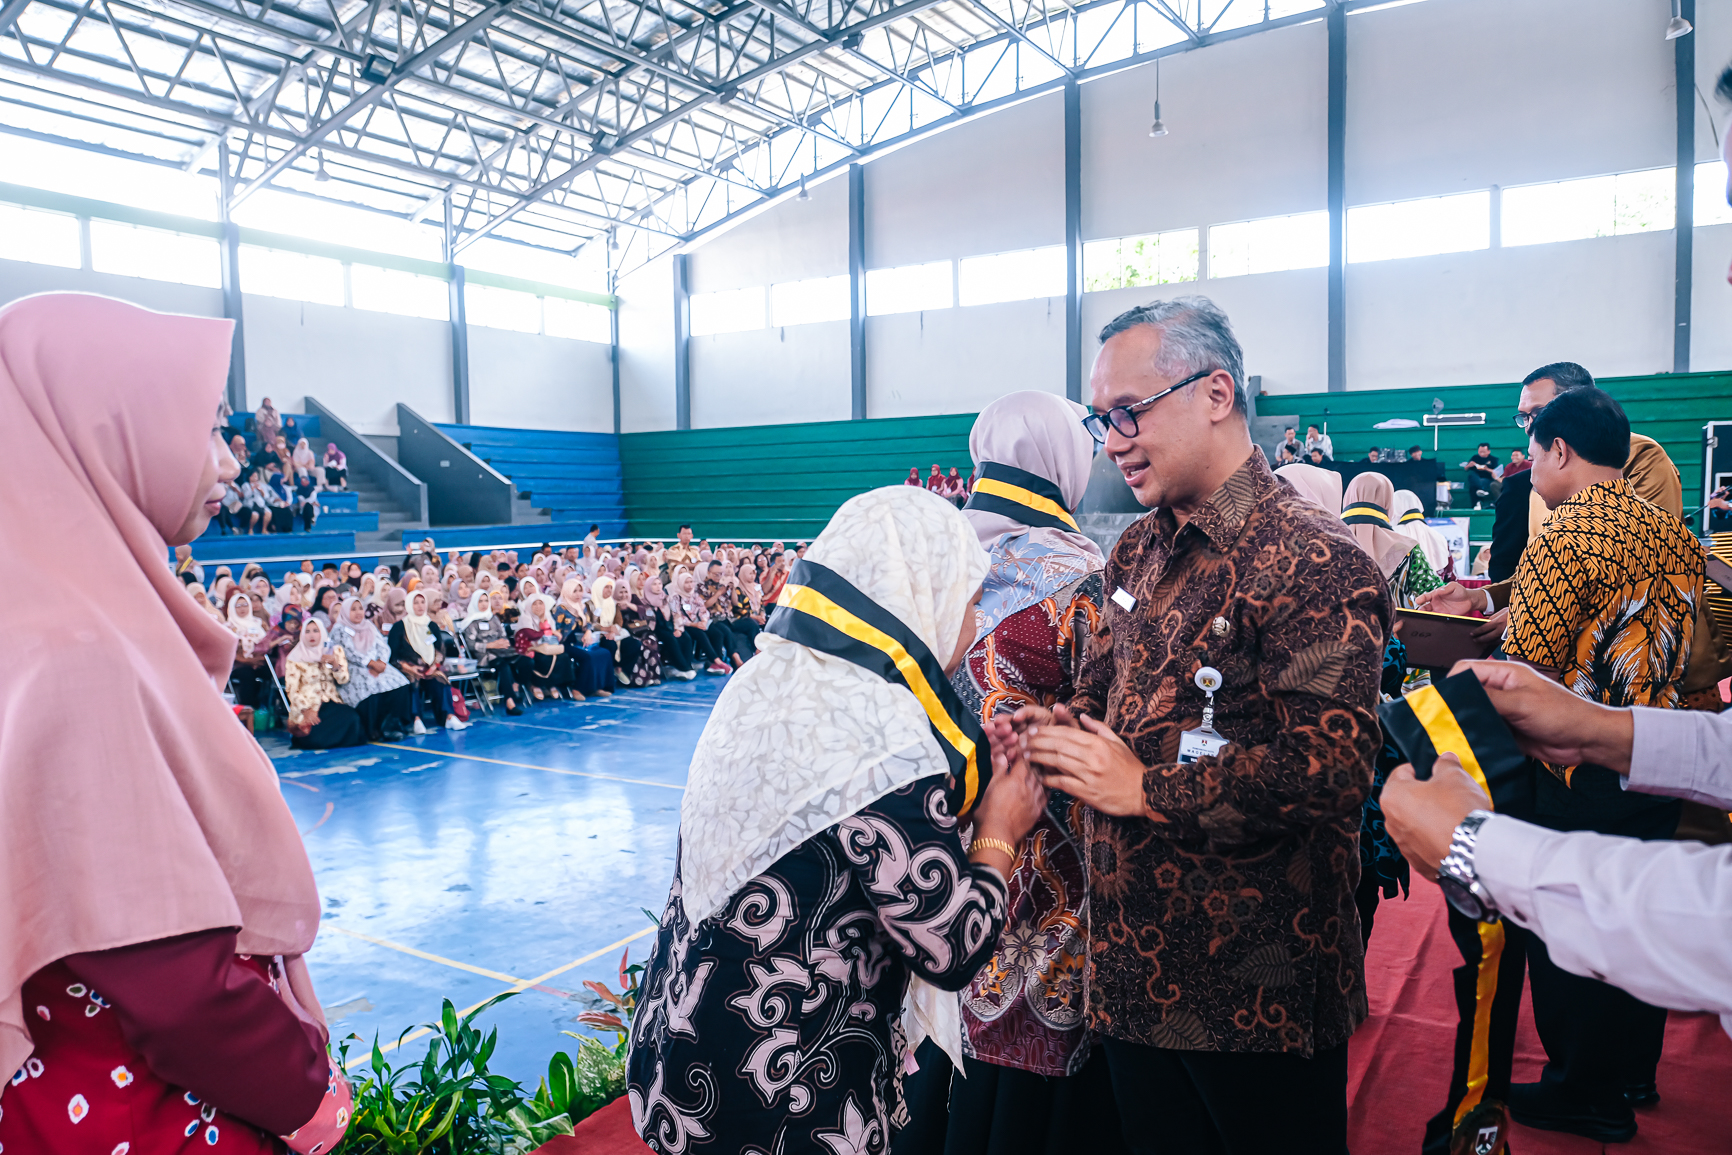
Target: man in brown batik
1227,965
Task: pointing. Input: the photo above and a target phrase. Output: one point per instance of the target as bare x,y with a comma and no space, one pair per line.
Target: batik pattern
771,1027
1223,918
1606,595
1026,1009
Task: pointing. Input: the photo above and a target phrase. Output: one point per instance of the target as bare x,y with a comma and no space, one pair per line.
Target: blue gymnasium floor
520,853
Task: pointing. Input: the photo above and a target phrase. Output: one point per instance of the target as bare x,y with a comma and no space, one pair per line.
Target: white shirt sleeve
1682,754
1654,918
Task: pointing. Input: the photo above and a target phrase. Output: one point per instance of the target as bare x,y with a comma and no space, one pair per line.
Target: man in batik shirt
1227,967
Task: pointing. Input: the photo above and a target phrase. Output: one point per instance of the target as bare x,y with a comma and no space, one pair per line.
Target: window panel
577,320
1418,228
1300,241
807,302
1126,262
494,308
731,311
909,289
395,291
1018,276
294,276
133,251
1710,206
42,238
1597,206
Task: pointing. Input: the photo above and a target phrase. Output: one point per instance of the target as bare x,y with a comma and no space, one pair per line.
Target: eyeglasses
1124,417
1523,420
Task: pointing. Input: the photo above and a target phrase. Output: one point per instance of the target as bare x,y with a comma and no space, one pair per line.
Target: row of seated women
357,665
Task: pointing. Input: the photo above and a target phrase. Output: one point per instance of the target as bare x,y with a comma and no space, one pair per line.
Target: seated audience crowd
362,656
280,479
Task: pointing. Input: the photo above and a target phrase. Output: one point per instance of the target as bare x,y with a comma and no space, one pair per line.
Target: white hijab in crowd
480,609
244,623
1407,517
799,739
418,628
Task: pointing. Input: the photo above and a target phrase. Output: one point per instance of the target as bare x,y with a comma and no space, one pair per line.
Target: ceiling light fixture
321,174
1159,127
803,194
613,239
1677,26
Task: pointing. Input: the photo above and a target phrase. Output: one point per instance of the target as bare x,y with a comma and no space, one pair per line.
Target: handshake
1037,749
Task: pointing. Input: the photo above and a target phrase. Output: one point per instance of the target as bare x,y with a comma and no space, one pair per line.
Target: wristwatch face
1461,898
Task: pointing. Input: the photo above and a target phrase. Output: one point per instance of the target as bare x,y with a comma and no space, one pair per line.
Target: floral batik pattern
1026,1008
771,1026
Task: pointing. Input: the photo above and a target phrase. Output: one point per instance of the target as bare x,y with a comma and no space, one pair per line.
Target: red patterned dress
1026,1008
109,1067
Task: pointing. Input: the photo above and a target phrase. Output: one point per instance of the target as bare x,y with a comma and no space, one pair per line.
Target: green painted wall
1669,408
767,482
762,482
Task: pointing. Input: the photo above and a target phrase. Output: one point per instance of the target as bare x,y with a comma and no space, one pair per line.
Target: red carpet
1398,1071
1399,1060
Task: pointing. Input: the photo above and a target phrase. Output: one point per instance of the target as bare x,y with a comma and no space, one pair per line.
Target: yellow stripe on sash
1366,511
1485,993
809,601
1445,732
1026,497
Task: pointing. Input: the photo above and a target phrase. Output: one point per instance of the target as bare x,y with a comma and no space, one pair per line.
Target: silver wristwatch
1455,874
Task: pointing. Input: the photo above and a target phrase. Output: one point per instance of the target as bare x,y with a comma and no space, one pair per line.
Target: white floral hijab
800,740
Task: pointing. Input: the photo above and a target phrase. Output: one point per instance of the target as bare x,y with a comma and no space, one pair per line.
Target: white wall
361,364
523,380
646,344
1443,96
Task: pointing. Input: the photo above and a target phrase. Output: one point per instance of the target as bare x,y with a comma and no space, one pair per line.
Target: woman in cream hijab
817,838
149,855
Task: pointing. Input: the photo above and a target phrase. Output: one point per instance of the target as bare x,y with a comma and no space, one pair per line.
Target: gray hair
1195,335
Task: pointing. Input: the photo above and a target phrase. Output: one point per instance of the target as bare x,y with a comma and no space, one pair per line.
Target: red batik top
1026,1008
111,1064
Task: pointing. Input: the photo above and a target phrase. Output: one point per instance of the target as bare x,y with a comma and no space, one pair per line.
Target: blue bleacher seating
274,551
340,501
576,477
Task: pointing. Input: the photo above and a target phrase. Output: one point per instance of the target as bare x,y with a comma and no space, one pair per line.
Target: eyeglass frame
1089,423
1524,420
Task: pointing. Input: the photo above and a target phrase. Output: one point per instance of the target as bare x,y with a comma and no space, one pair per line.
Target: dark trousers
1229,1102
1479,483
339,725
676,651
431,692
376,709
1003,1111
251,684
1598,1039
505,667
709,645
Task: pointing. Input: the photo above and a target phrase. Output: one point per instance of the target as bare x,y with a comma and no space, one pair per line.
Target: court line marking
528,765
517,987
330,807
409,950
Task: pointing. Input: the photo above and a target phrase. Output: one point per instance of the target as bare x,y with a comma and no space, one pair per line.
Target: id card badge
1195,744
1204,740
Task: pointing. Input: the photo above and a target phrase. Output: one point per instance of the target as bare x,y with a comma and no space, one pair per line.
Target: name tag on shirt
1124,600
1195,744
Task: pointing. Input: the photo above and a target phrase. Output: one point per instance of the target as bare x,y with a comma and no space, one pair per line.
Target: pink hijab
157,814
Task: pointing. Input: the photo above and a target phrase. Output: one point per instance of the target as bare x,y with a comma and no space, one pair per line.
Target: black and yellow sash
1455,716
1366,513
821,609
1021,496
1412,515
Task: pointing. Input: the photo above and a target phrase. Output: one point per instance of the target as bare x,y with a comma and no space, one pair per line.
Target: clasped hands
1072,753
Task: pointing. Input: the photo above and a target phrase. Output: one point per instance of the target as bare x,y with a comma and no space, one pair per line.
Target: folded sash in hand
821,609
1455,716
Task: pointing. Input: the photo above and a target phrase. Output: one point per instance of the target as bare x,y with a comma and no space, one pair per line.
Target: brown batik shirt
1223,919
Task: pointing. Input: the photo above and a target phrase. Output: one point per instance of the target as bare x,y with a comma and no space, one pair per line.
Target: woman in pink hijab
148,854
